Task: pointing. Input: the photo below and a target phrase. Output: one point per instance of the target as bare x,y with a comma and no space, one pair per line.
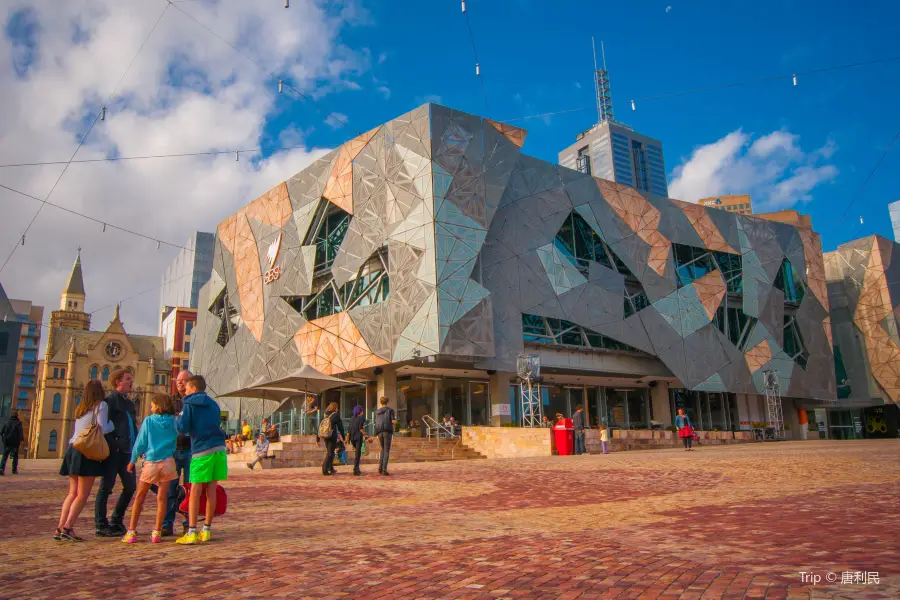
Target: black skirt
76,463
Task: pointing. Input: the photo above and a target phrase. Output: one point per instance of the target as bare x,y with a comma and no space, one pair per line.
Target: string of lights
104,224
259,150
465,13
866,182
100,116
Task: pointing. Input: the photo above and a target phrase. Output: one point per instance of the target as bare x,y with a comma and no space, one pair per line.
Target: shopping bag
364,449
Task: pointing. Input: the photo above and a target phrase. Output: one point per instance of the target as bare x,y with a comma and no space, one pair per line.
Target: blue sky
809,146
535,55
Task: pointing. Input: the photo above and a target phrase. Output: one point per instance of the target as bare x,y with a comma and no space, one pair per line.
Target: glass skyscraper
894,210
614,152
186,275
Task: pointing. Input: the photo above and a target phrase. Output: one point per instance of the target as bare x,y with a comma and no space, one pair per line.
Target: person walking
578,426
81,470
685,429
604,439
120,440
384,429
328,431
357,435
12,436
182,459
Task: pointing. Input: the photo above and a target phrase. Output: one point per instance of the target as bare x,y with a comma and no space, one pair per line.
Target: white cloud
772,168
186,92
385,91
336,120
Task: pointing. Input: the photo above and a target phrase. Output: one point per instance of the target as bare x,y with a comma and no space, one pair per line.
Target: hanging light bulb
477,69
795,79
157,244
287,3
632,105
23,239
104,228
280,86
237,156
860,220
464,5
103,113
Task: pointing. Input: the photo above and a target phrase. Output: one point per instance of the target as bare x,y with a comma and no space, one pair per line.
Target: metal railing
439,430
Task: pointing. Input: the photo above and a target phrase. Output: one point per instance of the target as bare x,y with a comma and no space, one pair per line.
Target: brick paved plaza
730,522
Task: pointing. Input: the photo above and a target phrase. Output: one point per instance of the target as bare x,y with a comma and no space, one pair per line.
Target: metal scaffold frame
529,371
774,414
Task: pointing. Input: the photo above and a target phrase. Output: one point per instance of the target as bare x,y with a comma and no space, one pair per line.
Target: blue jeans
182,465
579,443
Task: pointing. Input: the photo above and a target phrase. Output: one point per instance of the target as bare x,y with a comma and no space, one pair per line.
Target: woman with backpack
328,430
81,470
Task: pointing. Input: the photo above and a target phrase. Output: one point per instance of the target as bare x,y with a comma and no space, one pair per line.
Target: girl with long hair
81,470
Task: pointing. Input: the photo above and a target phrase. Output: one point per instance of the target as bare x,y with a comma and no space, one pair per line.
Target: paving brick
723,522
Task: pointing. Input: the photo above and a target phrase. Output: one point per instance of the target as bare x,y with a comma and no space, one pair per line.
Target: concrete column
659,398
499,390
387,386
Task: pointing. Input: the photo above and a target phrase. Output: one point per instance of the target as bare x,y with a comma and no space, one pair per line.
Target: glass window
188,327
793,342
415,399
479,404
51,445
686,400
333,226
5,405
555,399
162,379
789,281
185,365
716,419
638,415
105,373
56,373
156,379
77,400
187,346
543,330
21,404
616,405
94,371
62,373
452,396
57,401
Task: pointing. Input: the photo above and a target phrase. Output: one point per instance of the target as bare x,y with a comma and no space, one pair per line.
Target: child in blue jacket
156,442
199,419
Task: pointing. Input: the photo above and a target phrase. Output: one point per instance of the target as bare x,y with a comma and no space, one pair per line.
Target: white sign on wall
504,410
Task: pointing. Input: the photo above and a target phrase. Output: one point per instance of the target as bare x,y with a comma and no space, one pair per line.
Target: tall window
62,373
789,282
639,158
329,228
4,343
583,163
105,373
187,346
94,372
188,327
51,445
77,400
793,342
577,240
57,401
693,263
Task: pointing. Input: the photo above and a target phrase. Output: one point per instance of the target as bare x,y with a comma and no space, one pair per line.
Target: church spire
73,296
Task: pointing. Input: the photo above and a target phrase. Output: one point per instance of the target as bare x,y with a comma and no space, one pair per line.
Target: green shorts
211,467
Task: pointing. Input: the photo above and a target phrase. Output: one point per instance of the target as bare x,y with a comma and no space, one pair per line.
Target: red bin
564,436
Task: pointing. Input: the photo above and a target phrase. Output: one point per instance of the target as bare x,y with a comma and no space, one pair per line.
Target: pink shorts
162,471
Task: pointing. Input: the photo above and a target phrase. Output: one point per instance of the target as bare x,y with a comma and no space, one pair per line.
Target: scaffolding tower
774,414
528,367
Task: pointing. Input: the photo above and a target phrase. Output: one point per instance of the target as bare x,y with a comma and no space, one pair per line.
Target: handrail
440,429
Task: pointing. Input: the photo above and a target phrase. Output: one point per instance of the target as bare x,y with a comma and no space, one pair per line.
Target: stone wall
507,442
646,439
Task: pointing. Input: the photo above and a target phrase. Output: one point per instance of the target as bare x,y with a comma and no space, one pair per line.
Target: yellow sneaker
130,537
205,535
188,538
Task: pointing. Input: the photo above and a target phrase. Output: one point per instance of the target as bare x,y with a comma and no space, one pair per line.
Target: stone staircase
301,451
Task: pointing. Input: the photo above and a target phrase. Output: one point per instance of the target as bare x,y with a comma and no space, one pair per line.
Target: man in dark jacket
12,435
121,413
384,429
182,458
578,426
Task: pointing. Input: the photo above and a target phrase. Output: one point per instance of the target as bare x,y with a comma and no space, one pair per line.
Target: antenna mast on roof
601,87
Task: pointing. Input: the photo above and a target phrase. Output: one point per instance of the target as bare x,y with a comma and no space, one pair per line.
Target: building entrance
467,401
845,424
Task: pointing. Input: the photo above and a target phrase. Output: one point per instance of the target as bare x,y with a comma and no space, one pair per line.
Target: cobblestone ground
720,522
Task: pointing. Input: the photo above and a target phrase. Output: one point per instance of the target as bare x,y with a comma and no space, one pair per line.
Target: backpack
326,428
384,420
10,433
